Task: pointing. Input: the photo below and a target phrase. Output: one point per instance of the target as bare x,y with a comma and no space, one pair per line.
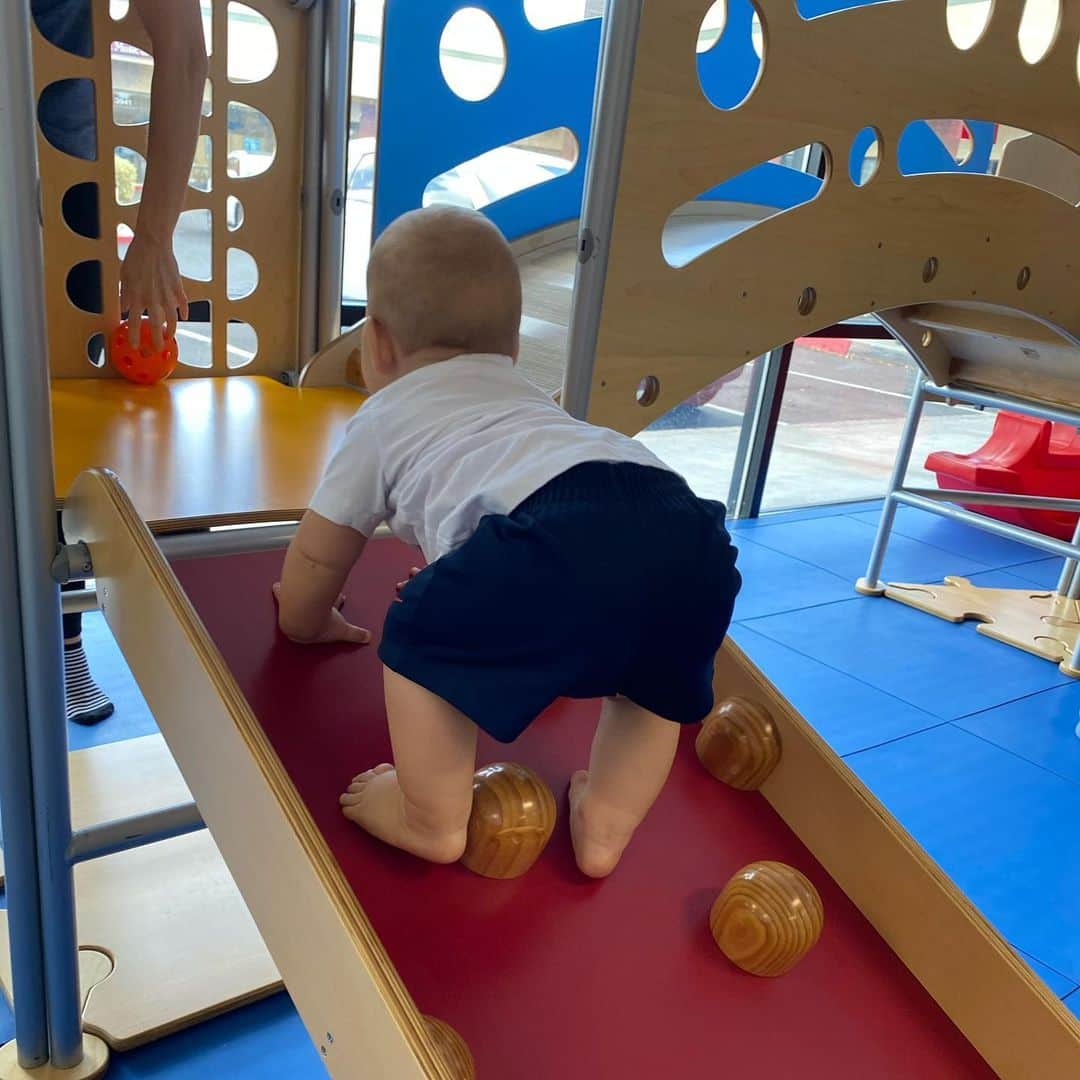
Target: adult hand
401,584
150,282
336,628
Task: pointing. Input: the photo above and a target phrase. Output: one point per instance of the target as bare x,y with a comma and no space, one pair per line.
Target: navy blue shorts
611,579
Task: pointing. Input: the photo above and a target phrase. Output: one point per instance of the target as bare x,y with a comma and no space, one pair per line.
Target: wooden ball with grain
452,1048
739,744
513,815
767,918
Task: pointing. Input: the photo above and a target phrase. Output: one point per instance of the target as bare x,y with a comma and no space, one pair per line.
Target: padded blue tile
848,714
259,1041
955,537
773,582
807,513
1043,729
944,668
1057,982
132,717
1004,830
1043,573
842,545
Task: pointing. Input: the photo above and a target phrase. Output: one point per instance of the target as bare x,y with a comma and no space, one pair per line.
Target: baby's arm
309,595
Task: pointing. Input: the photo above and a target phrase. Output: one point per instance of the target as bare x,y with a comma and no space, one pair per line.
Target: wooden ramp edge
1007,1013
351,999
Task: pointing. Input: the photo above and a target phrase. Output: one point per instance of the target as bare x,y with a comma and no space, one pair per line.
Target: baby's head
441,282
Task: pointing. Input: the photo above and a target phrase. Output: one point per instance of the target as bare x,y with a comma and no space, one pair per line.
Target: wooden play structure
385,958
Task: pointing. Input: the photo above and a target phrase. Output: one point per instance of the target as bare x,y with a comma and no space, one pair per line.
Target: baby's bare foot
375,802
599,834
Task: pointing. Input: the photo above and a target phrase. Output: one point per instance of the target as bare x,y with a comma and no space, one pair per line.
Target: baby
564,560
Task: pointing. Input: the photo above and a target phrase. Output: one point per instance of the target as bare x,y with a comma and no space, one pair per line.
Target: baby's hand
336,628
401,584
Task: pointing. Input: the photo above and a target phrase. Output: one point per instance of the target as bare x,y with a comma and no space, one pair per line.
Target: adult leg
421,803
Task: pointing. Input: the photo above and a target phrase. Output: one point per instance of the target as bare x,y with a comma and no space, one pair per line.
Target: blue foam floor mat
774,582
1001,828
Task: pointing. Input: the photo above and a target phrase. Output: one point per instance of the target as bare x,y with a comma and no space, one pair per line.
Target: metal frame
943,502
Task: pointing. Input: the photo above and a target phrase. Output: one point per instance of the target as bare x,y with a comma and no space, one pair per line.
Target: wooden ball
767,918
452,1048
513,815
739,744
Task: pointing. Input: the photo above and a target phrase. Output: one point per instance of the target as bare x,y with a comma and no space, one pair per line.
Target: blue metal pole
29,438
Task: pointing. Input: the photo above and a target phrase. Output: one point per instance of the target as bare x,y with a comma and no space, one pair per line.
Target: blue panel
426,129
132,716
1044,729
953,536
811,9
1002,829
945,669
730,68
773,582
1057,982
767,185
847,713
1073,1001
921,151
842,545
253,1043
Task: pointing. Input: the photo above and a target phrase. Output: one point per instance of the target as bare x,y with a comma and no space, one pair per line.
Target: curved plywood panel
993,240
269,223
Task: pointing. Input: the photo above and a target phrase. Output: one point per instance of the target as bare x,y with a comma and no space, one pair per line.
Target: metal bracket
337,201
586,245
72,563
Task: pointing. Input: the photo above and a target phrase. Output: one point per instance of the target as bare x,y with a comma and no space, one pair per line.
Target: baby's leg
631,757
421,803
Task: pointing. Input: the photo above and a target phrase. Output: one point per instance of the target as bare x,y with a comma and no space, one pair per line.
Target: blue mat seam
1019,757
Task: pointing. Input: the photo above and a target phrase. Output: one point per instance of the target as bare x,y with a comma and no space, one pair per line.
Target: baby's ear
384,348
517,347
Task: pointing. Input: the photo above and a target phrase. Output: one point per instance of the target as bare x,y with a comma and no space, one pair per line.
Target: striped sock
84,700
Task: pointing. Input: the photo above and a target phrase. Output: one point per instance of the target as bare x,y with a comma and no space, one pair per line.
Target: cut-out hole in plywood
129,167
252,43
472,54
234,213
208,24
132,75
124,235
815,9
740,203
242,345
1040,162
1039,25
505,171
938,145
58,26
242,274
80,210
208,98
252,141
59,102
192,244
730,52
195,337
83,286
202,172
865,156
546,15
967,21
95,350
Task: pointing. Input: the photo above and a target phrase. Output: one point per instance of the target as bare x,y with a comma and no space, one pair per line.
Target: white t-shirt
441,447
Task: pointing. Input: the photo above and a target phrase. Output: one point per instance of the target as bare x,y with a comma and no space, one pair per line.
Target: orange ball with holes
142,363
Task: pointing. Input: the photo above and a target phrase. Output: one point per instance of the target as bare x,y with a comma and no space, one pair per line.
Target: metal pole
338,36
193,545
311,201
122,834
29,437
611,102
1004,401
995,498
17,795
870,584
748,486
